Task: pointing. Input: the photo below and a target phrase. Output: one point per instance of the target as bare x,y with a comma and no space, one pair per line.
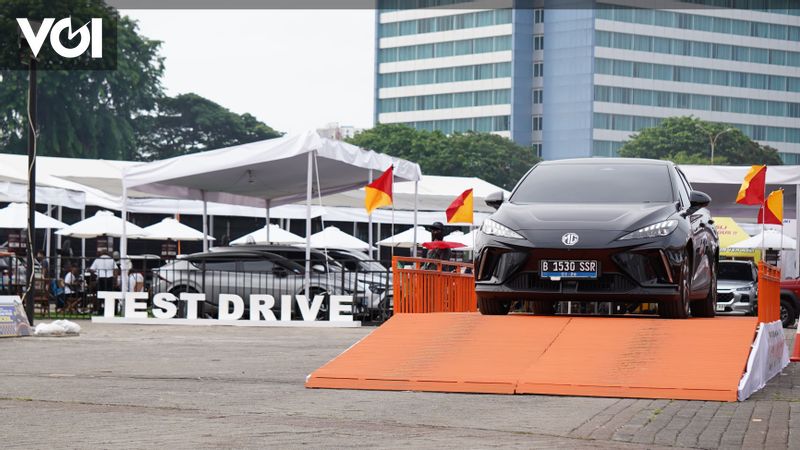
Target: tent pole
58,247
205,221
797,230
308,224
123,243
47,235
83,243
369,222
267,227
414,248
210,227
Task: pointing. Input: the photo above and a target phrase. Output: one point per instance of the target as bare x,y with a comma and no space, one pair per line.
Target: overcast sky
293,69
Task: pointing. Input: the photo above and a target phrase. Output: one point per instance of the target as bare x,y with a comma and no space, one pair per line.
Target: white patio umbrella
333,237
468,239
170,228
277,235
104,223
771,239
406,238
15,216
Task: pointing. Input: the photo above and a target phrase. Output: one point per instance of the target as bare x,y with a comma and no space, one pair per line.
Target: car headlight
493,228
655,230
744,289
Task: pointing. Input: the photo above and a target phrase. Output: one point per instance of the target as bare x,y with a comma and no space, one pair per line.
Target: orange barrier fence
769,293
430,285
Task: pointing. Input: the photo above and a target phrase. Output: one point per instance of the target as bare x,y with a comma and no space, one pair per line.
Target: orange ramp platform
695,359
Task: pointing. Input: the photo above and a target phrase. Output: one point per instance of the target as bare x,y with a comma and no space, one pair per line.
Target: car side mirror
495,199
319,268
698,200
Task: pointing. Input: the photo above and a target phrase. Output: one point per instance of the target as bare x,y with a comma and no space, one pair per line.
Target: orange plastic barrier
430,285
523,354
769,293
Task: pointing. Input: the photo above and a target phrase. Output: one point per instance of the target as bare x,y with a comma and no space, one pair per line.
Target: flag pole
369,224
763,216
392,251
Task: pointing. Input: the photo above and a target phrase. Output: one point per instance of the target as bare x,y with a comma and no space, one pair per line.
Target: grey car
241,273
737,287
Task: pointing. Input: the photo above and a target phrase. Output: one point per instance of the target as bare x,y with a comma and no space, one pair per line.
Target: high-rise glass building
578,82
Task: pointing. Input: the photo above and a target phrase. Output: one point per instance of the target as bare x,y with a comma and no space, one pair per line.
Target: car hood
573,216
732,284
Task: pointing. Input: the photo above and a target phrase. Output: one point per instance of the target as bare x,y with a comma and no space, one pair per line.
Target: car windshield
595,183
357,261
735,271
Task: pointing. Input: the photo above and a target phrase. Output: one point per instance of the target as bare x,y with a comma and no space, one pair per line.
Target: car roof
607,161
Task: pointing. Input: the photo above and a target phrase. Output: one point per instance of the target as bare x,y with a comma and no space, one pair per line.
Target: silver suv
737,287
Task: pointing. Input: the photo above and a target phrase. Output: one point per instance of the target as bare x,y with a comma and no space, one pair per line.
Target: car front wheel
678,309
489,307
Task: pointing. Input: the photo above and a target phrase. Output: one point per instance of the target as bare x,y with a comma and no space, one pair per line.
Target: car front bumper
735,303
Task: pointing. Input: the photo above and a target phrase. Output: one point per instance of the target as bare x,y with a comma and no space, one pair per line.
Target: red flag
753,186
772,210
379,192
460,211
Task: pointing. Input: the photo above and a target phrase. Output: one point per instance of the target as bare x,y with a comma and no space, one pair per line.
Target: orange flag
772,210
460,211
752,190
379,192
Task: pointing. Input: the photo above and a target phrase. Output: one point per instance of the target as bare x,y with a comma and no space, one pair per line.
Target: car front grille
609,282
724,297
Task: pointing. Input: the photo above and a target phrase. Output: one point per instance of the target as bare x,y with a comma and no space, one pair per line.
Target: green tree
688,139
81,113
487,156
190,123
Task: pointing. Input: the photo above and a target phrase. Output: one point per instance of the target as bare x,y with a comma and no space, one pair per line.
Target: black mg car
610,230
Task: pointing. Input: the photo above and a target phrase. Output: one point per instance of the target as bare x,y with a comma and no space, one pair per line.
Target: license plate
721,308
559,268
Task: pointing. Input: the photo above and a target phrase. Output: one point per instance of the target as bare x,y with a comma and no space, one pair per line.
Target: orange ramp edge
588,356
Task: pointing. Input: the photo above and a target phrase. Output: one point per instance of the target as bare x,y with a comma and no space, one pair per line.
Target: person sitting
73,288
57,289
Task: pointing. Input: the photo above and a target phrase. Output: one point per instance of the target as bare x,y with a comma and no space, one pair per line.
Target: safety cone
796,351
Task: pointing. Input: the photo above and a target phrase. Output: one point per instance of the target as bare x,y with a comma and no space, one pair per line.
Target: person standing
103,267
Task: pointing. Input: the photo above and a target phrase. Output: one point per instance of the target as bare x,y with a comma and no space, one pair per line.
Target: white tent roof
170,228
15,216
49,190
332,237
195,207
104,223
273,170
771,239
435,193
406,238
277,235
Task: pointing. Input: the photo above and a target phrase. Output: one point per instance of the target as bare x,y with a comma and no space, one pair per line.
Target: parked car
370,292
240,272
790,301
370,272
737,288
606,229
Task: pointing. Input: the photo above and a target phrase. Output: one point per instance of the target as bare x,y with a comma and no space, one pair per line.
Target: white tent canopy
277,235
405,239
15,216
171,229
332,237
104,223
771,239
272,171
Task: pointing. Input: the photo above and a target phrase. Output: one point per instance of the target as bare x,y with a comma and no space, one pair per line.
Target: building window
538,96
538,42
537,123
538,69
538,16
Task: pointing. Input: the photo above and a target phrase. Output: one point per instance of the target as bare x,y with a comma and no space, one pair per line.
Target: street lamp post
28,57
713,140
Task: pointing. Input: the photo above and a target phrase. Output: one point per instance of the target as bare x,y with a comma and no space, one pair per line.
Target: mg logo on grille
569,239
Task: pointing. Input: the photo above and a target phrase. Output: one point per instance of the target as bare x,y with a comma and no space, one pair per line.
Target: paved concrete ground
180,387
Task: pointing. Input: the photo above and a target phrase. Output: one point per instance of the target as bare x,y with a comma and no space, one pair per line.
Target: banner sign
231,309
768,356
13,320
